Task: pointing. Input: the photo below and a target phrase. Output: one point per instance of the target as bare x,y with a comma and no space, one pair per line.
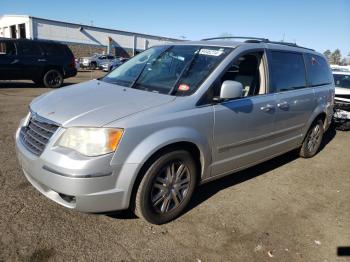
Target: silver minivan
171,118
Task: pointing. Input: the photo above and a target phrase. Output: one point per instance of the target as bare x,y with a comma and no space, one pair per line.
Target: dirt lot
289,208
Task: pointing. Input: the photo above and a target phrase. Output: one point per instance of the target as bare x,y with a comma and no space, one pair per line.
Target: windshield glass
342,80
175,70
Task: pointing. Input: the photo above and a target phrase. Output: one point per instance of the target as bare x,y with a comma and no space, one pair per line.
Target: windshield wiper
144,67
185,69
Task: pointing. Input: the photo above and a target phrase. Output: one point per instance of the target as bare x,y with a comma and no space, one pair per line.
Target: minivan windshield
174,70
342,80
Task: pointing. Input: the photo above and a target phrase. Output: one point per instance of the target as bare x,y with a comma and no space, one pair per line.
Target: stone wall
81,50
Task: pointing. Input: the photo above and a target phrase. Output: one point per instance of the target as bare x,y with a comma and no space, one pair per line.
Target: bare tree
336,57
327,54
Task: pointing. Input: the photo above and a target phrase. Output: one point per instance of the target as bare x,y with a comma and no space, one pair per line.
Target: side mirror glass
231,89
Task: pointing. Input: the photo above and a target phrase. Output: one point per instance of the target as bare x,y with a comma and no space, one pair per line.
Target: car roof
263,43
32,40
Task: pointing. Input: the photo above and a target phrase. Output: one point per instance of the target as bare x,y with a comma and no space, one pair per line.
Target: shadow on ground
208,190
29,84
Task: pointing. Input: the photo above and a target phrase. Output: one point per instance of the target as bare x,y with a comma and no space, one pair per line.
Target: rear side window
7,48
287,71
30,49
317,70
53,50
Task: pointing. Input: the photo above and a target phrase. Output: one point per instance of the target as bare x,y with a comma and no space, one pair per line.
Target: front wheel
166,188
313,140
53,79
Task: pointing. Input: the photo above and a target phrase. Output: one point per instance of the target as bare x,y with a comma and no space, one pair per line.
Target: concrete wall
7,21
115,41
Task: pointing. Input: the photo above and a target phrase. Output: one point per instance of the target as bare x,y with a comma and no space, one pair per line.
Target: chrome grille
37,134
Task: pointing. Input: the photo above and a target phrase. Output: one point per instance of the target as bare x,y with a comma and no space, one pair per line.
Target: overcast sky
322,24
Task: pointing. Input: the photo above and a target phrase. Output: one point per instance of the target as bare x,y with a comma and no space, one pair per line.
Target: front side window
287,71
342,81
7,48
177,70
317,70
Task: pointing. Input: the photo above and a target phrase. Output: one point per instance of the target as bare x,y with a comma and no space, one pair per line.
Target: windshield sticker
183,87
211,52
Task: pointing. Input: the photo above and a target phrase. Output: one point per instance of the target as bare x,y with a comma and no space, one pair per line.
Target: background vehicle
174,116
109,66
44,62
342,100
95,61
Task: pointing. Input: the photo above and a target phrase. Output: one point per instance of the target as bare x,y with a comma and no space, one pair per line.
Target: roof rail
290,44
237,37
257,40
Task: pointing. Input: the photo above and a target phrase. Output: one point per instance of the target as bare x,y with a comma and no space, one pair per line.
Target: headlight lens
91,141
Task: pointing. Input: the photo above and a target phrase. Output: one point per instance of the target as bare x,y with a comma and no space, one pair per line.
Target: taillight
72,63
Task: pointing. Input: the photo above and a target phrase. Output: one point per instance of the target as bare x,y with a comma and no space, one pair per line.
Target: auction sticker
211,52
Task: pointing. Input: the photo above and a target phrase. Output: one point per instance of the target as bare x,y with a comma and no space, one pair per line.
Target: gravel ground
287,209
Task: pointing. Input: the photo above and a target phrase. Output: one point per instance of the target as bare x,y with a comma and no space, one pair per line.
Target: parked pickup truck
95,61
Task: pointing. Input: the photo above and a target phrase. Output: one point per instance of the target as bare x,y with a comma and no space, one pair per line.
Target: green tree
336,57
327,54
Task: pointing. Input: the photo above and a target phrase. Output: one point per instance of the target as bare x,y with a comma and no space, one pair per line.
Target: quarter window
318,70
7,48
287,71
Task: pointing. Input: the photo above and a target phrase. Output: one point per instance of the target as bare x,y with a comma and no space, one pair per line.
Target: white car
95,61
342,99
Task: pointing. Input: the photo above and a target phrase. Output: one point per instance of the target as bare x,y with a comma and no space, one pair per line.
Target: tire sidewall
46,82
306,151
147,209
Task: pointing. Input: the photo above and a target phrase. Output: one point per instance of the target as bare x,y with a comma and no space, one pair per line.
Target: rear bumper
70,72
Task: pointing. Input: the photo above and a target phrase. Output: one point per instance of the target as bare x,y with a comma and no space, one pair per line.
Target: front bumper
59,177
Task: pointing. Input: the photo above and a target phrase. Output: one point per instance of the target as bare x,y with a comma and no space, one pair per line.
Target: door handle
283,105
267,108
41,60
14,62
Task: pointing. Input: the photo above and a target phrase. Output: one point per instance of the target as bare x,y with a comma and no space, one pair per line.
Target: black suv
45,62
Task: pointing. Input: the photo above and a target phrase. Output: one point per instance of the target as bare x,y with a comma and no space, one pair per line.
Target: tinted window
342,80
318,70
7,48
30,49
287,71
53,49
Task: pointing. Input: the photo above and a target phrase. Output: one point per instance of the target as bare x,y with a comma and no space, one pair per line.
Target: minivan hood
94,103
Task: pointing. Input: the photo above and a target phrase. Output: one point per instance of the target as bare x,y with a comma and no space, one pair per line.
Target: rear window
342,81
318,70
287,71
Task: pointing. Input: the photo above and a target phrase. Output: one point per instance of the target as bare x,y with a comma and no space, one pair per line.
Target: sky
317,24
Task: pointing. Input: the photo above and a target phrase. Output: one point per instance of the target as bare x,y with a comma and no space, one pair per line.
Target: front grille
37,134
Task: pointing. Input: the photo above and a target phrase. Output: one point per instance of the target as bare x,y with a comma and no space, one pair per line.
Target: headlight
91,141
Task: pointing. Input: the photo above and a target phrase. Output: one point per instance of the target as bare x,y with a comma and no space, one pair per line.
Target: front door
244,127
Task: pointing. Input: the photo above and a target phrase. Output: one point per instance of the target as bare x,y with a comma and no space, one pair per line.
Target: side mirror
231,89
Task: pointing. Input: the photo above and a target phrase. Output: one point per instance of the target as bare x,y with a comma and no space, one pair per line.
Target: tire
53,79
343,126
312,140
160,199
93,66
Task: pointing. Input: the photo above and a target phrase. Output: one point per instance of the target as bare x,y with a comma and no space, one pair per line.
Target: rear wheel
53,79
93,65
166,188
313,140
